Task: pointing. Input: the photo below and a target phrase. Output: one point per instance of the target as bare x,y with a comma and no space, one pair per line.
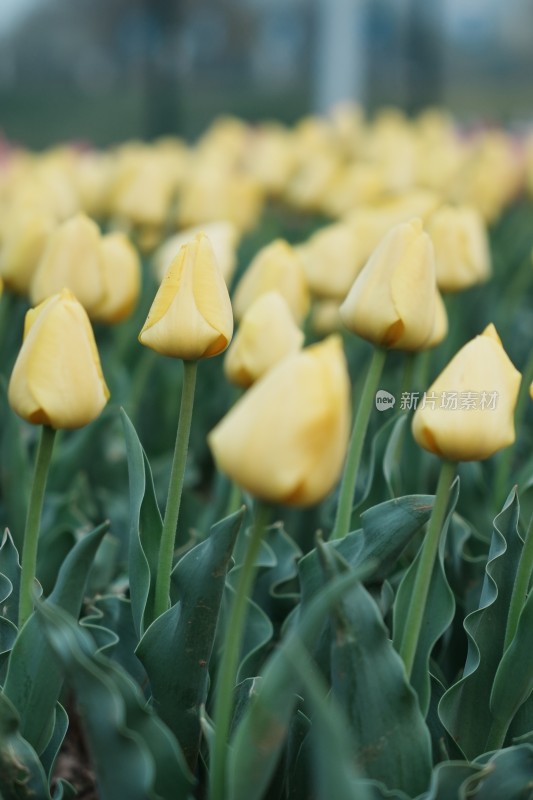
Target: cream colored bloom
331,259
285,440
276,267
462,256
392,301
57,379
26,234
224,237
485,386
266,335
121,277
191,315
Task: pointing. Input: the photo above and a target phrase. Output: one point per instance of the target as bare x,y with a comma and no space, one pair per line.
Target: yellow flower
191,315
474,400
57,379
72,259
26,233
224,237
276,267
392,301
285,440
440,323
267,334
121,278
331,260
461,245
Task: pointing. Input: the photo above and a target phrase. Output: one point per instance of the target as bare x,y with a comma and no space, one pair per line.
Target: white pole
340,60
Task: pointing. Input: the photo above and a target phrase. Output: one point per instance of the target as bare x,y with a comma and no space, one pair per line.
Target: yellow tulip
392,301
267,334
26,233
285,440
224,237
121,277
191,315
276,267
468,412
331,260
325,317
72,258
461,245
440,323
57,379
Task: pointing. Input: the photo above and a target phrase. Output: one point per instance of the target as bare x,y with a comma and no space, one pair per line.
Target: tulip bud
462,256
191,315
285,440
331,260
392,301
72,258
277,267
25,238
224,237
57,379
266,335
468,412
121,277
440,323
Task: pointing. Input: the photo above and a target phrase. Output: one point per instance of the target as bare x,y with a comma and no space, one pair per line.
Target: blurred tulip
460,240
266,335
276,267
121,278
72,259
468,412
191,315
325,317
57,379
440,323
392,301
25,237
285,440
331,260
224,237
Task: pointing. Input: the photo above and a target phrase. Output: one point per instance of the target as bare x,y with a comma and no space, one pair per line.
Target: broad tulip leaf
299,759
10,572
110,623
145,530
133,752
34,678
49,755
513,682
507,774
449,780
269,585
438,611
21,773
465,708
260,737
392,741
176,649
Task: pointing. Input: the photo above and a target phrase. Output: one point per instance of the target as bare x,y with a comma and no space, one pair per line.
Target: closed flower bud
191,315
392,301
25,238
331,260
267,334
461,246
57,378
285,440
72,258
276,267
440,323
224,237
121,277
468,413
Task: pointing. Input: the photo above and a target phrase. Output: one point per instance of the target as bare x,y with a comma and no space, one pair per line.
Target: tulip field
266,464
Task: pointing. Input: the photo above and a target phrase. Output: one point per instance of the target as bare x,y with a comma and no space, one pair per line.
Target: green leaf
110,623
449,779
176,649
438,612
513,682
145,530
392,459
393,744
10,571
34,678
465,708
260,737
134,754
507,774
49,755
21,773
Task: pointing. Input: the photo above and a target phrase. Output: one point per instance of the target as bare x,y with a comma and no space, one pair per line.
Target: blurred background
105,70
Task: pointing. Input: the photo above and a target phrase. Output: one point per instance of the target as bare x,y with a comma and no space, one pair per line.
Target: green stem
230,657
351,469
168,535
33,523
408,374
430,548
